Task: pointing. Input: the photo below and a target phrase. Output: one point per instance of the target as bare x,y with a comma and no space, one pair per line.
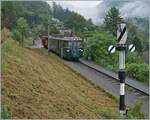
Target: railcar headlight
68,50
81,50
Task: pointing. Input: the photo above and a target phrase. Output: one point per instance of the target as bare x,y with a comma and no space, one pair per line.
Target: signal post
122,48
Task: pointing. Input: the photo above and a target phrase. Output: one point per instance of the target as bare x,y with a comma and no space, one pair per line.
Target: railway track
111,85
132,83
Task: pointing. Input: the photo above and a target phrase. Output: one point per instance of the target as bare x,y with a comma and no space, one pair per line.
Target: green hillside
35,85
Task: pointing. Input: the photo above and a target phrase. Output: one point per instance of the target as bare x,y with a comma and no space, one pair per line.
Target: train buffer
133,83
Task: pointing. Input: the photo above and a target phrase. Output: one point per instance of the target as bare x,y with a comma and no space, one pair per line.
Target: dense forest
28,20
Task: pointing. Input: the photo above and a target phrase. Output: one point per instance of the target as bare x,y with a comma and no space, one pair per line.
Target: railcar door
75,48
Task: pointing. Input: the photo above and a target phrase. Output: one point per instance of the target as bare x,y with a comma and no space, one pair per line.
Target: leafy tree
8,14
58,12
54,30
72,20
111,20
22,27
35,13
37,31
76,22
17,35
96,46
136,37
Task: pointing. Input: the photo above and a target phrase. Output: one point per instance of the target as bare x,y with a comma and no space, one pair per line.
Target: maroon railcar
45,41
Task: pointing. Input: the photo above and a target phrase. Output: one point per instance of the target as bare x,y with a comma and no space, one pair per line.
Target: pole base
123,112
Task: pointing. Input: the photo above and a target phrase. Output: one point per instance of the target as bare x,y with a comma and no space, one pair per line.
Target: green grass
135,112
5,115
18,54
70,94
6,47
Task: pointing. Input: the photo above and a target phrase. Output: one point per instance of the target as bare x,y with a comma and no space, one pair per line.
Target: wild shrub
5,115
135,112
96,47
138,71
133,58
16,35
5,35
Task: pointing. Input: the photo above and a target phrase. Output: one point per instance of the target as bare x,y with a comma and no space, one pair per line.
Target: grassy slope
37,86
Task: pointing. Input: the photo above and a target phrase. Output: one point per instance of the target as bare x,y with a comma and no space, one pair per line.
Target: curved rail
132,83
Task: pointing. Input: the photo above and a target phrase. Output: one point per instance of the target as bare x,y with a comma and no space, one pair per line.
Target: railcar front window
66,44
79,44
74,44
70,44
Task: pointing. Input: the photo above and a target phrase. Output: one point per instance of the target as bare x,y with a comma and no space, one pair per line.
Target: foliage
35,13
135,113
6,46
138,71
111,20
54,30
37,31
16,35
133,58
75,21
22,24
5,115
71,19
136,37
22,27
96,48
142,24
8,12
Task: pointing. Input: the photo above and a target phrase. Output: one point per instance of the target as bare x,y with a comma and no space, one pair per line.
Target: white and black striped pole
122,48
122,37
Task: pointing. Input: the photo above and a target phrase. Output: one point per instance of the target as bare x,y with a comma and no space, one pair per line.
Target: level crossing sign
131,48
122,47
111,49
122,33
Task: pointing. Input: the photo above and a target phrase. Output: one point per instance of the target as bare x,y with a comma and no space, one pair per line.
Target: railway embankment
35,85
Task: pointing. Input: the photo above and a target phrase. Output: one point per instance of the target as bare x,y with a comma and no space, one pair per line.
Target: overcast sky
85,8
89,9
77,4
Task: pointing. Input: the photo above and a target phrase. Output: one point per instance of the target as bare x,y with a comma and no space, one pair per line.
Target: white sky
85,8
89,9
78,4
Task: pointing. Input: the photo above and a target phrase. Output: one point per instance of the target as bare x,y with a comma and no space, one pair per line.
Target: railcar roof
66,38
